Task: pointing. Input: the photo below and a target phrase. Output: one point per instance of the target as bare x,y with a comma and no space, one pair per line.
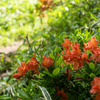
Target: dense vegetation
60,54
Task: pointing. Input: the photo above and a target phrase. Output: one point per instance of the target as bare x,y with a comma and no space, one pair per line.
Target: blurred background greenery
16,20
20,17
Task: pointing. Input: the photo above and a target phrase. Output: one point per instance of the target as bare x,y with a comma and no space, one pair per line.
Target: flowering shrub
66,75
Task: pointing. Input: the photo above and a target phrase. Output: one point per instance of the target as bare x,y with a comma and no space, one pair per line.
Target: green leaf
4,97
23,94
52,56
93,16
92,66
92,75
56,71
45,93
88,52
19,62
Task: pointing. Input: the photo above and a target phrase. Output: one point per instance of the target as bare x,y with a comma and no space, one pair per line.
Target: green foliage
78,20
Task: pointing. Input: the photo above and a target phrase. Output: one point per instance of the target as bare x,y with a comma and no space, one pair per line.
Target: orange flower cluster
46,4
32,65
92,45
62,93
76,57
47,61
95,88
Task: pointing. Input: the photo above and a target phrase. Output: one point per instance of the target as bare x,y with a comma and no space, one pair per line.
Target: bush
65,75
58,69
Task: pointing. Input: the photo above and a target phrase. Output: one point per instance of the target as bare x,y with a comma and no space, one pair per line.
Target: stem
29,43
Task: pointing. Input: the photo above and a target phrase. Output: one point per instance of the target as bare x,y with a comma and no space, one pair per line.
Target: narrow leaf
23,94
4,97
19,62
45,93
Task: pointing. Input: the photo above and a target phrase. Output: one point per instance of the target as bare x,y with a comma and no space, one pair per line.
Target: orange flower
76,49
47,61
33,65
74,56
95,88
84,56
66,44
62,93
91,45
96,55
22,69
34,58
17,76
